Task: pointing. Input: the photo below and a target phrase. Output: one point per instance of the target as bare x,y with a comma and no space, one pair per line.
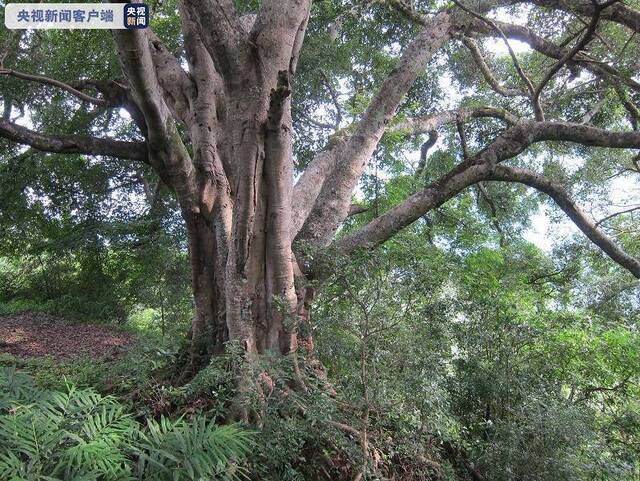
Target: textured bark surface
220,135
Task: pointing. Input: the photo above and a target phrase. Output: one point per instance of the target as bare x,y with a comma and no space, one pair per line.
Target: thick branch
308,187
415,206
206,108
484,166
560,195
73,144
167,152
222,33
583,134
311,182
507,145
176,84
332,205
279,32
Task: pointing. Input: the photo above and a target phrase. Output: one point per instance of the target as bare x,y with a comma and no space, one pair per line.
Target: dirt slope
37,334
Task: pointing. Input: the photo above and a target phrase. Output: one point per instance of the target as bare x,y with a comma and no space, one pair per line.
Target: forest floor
34,334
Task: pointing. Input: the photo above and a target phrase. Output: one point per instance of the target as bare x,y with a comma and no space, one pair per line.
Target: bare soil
33,334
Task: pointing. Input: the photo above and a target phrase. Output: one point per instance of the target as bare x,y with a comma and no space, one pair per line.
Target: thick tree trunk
244,270
248,287
235,185
239,119
219,135
256,305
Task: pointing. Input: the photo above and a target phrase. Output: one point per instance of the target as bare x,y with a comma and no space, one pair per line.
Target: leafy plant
179,450
79,434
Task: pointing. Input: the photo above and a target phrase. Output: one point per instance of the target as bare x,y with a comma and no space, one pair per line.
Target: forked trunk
239,119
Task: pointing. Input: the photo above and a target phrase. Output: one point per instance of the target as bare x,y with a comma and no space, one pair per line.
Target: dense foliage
78,434
495,360
458,350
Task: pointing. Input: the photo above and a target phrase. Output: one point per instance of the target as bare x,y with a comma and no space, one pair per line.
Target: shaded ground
32,334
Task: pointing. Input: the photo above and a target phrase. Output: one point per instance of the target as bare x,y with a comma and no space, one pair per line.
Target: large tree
215,115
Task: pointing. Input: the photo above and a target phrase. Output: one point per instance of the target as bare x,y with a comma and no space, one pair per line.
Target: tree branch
512,54
597,107
586,38
73,144
618,13
632,110
507,145
616,214
167,152
423,125
222,33
206,104
279,31
583,134
486,71
562,198
356,209
484,166
56,83
332,204
306,190
549,49
415,206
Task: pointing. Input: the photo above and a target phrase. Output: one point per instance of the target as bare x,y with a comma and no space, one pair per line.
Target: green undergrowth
79,434
135,379
18,306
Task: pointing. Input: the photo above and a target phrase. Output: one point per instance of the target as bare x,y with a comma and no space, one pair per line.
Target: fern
198,450
16,387
77,434
80,435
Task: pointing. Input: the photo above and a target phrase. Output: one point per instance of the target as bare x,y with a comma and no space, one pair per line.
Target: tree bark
240,128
